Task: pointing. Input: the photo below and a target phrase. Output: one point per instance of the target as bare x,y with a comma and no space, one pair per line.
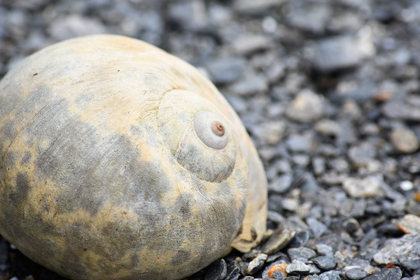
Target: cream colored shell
108,170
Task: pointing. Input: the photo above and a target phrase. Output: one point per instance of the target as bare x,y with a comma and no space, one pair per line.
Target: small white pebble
406,185
269,24
13,247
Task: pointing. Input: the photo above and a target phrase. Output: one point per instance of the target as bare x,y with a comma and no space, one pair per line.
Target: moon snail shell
120,161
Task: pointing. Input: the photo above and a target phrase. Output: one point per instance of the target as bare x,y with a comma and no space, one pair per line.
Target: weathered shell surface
107,170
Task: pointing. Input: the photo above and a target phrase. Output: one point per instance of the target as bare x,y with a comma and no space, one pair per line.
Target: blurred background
327,89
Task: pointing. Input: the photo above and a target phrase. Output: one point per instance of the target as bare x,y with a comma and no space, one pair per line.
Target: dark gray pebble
292,277
300,239
314,269
355,274
302,254
281,184
226,69
317,228
324,262
267,269
313,277
251,255
342,52
387,274
277,256
256,264
298,267
280,238
412,265
406,248
324,250
330,275
233,271
217,270
277,275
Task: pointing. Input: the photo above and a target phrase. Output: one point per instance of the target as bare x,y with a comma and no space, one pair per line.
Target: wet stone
404,249
324,262
330,275
386,274
275,217
226,69
333,240
301,160
290,204
351,225
300,239
301,254
280,238
401,110
355,274
370,129
254,6
269,132
367,187
324,250
251,255
295,223
233,271
299,143
275,268
327,127
413,207
248,44
406,185
318,164
347,133
256,264
410,224
339,164
312,277
275,72
238,103
298,267
317,228
362,154
279,256
292,277
342,52
310,18
189,15
350,110
277,275
275,202
282,184
249,86
404,140
314,269
217,270
74,25
310,184
306,107
412,265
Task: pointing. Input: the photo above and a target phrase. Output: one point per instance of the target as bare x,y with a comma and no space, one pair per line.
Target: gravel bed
328,91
